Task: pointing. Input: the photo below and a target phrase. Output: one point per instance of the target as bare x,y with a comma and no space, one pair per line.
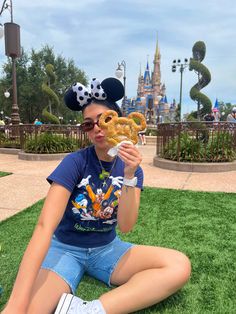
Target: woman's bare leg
145,275
47,291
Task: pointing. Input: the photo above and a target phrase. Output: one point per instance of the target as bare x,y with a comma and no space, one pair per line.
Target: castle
151,97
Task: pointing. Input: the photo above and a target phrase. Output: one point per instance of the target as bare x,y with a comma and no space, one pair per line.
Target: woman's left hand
132,158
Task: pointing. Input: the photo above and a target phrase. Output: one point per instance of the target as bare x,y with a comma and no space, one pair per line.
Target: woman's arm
128,208
130,197
37,248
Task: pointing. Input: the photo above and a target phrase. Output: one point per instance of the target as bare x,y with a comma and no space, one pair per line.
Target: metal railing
197,141
16,136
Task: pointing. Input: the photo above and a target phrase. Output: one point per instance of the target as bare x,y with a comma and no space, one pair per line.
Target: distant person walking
37,122
142,136
209,117
216,115
232,116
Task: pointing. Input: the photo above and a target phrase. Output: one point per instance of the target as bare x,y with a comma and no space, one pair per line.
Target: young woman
142,136
90,194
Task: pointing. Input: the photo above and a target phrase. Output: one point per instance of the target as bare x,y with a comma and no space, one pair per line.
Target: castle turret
147,77
140,90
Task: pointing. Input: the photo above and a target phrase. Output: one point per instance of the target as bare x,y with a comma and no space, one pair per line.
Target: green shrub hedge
200,149
48,143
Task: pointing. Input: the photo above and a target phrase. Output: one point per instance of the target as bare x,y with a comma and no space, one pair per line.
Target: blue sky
97,34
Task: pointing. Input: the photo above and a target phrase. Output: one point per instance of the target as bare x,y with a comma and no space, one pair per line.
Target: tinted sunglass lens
87,126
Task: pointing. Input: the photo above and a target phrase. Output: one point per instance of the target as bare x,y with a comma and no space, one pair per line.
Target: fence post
178,145
21,131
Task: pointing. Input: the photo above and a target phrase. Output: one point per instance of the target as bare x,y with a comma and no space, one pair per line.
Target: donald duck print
96,208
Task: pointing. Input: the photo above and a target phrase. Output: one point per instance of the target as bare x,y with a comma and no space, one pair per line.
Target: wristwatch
130,182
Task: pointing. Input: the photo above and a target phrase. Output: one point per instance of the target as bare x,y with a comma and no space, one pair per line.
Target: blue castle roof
147,76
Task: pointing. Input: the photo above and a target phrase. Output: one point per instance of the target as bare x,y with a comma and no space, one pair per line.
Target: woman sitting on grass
91,193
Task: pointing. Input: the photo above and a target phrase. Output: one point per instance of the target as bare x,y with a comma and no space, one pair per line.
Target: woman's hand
131,157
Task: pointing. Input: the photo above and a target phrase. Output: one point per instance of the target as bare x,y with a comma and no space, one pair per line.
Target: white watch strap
130,182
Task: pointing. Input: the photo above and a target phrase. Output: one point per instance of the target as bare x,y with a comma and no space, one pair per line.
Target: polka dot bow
84,96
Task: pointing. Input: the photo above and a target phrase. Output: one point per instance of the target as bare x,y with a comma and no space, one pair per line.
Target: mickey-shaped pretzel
119,129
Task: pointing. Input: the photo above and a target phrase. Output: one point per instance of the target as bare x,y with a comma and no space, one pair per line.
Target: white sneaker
93,307
68,304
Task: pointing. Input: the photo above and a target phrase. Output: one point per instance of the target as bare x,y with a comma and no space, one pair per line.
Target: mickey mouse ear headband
110,90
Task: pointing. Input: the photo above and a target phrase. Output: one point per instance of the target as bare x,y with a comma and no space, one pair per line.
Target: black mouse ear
113,88
70,99
76,97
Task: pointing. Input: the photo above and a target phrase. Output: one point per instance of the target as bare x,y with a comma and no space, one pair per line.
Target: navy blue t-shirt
90,217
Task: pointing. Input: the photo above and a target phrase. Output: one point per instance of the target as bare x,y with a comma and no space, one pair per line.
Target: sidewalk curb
40,157
194,166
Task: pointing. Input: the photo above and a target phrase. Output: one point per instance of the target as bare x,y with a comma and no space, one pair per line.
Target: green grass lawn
3,174
201,224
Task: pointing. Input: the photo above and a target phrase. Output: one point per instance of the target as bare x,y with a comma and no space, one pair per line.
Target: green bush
8,143
2,138
152,132
220,148
187,148
48,143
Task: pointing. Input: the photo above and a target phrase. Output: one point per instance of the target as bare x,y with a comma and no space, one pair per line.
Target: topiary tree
204,78
53,99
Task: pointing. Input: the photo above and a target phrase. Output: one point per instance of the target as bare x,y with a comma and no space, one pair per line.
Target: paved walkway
27,184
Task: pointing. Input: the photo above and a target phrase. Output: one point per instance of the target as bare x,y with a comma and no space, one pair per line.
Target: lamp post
158,109
13,50
119,73
182,66
60,119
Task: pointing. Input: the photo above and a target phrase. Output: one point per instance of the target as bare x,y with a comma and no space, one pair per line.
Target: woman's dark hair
106,103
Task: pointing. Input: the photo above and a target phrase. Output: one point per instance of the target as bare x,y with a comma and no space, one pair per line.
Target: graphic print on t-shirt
96,207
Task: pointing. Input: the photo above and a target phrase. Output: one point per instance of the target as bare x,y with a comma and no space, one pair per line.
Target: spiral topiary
204,78
52,96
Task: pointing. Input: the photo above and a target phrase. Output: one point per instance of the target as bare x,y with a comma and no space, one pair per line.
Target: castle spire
156,77
157,53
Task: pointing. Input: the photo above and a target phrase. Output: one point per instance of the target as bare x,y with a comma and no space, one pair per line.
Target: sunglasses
88,125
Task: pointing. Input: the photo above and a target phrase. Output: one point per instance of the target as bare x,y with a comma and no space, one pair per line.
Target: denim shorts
72,262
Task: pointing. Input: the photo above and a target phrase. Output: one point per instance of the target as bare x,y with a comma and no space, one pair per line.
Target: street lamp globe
7,94
119,72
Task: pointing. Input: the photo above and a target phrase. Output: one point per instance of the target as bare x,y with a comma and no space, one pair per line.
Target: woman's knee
182,267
